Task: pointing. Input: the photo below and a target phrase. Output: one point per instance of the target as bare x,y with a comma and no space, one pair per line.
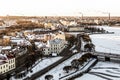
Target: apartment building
54,46
7,63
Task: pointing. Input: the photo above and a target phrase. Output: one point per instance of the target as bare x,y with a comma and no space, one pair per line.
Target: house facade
75,28
7,63
54,46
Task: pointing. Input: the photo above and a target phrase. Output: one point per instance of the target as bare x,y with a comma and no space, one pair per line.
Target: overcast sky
60,7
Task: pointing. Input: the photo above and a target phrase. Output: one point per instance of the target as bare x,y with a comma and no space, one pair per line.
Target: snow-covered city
68,51
59,40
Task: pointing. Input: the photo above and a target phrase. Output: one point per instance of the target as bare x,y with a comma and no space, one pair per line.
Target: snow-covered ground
109,43
58,72
82,69
90,77
108,70
41,65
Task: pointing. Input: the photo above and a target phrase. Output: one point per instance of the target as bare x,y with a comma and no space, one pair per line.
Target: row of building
53,44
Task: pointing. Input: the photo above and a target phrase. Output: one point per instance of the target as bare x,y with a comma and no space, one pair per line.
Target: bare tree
48,77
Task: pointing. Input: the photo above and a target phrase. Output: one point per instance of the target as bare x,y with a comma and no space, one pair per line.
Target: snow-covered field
103,71
58,72
109,43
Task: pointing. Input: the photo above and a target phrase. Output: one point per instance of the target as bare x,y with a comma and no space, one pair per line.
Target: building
19,41
60,35
75,28
48,25
7,63
54,46
6,40
57,35
47,37
1,40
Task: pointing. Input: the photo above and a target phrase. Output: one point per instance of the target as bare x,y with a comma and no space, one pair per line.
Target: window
4,66
43,49
13,65
13,60
9,62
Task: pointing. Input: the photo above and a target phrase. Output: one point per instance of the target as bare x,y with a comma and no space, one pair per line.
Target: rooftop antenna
108,14
81,15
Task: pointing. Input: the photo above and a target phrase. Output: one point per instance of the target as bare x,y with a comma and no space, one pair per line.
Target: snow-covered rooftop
6,48
3,58
55,41
40,44
20,41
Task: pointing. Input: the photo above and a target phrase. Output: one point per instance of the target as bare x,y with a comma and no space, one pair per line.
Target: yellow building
48,25
60,35
7,63
6,40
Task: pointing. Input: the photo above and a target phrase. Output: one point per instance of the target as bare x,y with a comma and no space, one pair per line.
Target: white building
19,41
7,63
54,46
75,28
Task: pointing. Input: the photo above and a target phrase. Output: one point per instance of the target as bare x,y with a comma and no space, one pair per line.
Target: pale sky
60,7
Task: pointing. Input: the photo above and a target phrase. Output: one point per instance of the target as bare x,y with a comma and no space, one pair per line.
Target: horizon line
51,16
